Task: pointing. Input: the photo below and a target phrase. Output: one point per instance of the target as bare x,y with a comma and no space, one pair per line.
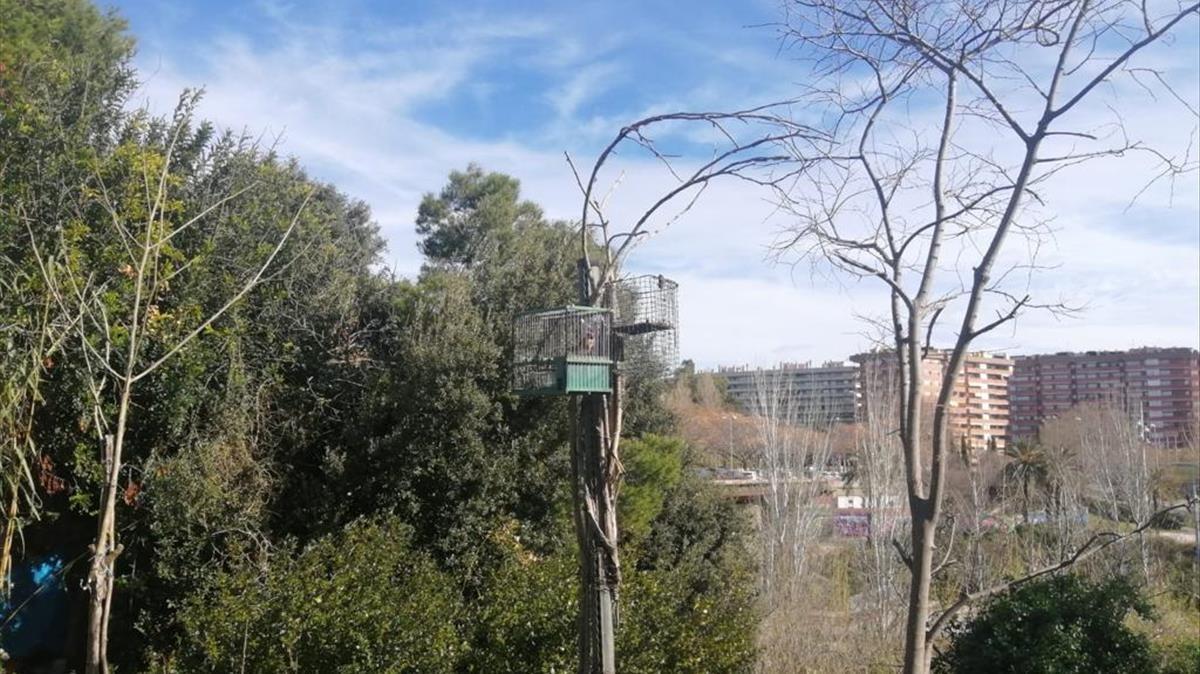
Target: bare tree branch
1097,543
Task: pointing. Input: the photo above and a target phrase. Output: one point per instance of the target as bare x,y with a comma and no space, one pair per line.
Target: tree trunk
916,650
104,556
595,437
595,520
1025,494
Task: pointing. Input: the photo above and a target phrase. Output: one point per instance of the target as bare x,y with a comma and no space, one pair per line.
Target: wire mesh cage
561,351
646,324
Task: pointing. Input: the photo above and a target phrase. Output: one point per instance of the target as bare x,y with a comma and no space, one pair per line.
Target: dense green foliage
333,476
1063,624
472,216
361,600
690,592
64,76
684,608
653,467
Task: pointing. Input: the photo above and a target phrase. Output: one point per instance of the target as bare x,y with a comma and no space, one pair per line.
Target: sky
384,99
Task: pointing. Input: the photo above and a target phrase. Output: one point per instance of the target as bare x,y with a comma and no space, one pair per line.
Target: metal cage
563,351
646,324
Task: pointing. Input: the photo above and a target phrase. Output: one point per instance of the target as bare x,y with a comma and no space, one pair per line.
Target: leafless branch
765,158
900,193
1097,543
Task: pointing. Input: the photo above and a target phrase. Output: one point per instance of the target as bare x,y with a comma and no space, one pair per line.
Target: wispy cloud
385,106
586,83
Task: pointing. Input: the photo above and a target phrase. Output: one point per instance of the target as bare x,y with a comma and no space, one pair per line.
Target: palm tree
1029,464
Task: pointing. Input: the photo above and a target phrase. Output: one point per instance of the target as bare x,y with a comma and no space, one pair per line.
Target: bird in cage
589,342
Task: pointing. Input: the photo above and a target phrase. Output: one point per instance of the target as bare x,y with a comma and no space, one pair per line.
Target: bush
653,467
360,600
667,627
1179,657
525,619
365,600
1061,625
688,603
687,600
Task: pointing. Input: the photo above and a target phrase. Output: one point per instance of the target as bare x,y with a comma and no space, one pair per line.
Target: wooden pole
592,445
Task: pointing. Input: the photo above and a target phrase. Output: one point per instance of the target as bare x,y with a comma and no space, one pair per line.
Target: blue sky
385,98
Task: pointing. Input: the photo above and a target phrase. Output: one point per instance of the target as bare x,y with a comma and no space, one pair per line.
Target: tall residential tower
978,406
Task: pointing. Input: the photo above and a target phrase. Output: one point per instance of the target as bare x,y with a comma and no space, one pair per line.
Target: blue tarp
35,616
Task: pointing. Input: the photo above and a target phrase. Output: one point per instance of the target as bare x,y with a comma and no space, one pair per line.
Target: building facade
1160,387
996,399
812,394
978,411
979,404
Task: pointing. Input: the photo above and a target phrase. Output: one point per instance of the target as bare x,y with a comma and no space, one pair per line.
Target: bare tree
115,341
760,145
880,471
930,205
1068,507
1116,463
795,450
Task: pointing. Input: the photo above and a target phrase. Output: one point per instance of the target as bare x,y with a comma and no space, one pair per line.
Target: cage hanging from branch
563,351
646,324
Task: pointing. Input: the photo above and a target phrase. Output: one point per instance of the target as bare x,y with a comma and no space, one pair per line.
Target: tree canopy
333,470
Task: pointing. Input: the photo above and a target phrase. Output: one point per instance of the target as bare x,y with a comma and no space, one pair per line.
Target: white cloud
726,321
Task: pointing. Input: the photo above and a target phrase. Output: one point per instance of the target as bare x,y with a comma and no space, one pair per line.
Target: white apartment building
813,394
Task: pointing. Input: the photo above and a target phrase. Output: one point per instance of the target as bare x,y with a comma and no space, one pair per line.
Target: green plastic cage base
565,376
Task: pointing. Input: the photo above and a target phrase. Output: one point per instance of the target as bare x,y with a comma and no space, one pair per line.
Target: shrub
653,467
687,600
356,601
1178,657
525,618
1061,625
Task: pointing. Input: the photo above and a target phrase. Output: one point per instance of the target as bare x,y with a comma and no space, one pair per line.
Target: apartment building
825,393
978,412
979,404
1160,387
